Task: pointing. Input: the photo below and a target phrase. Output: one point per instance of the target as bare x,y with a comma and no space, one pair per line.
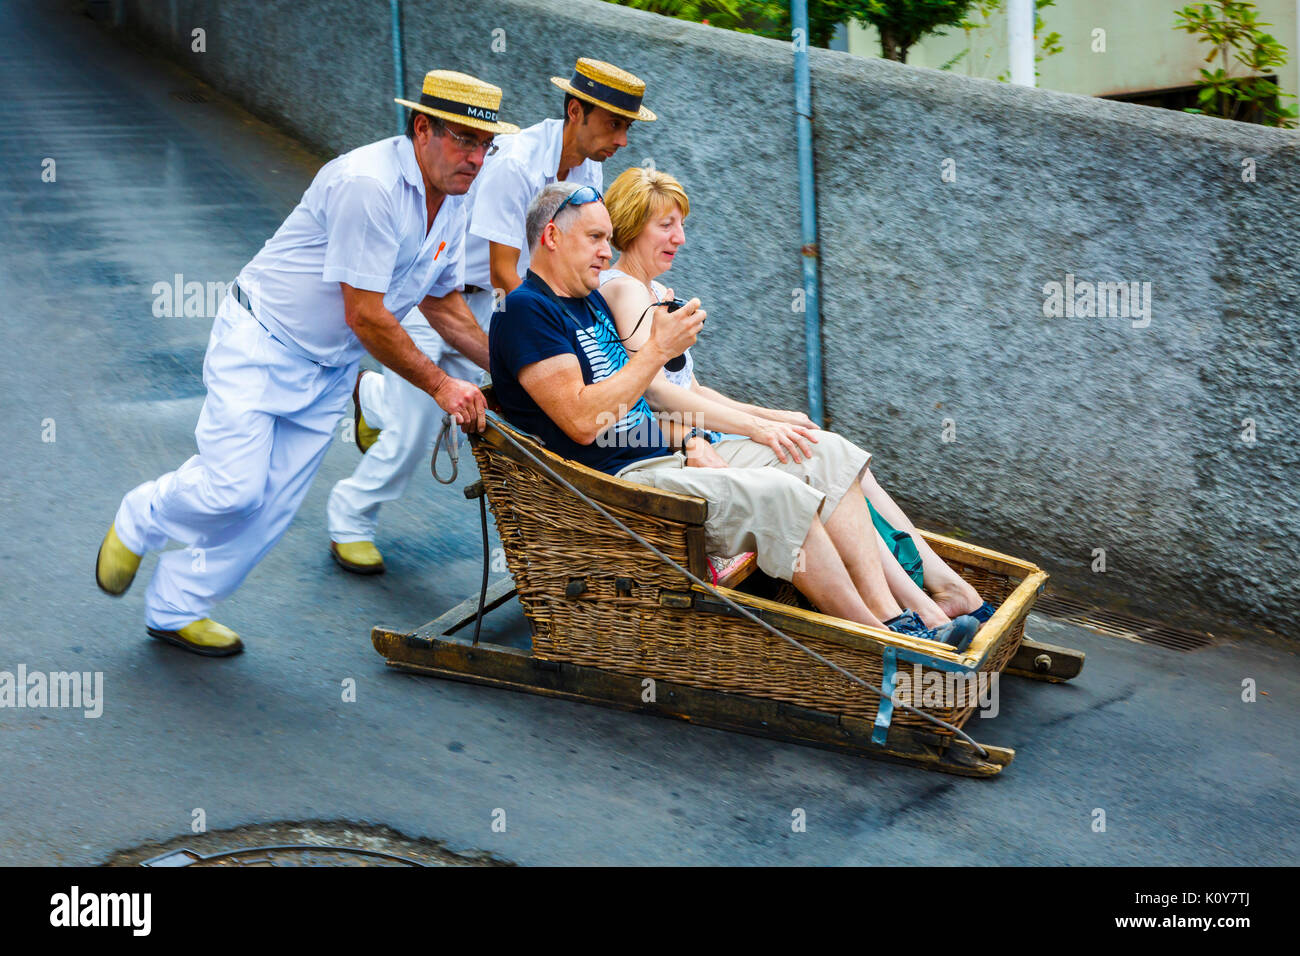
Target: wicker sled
614,625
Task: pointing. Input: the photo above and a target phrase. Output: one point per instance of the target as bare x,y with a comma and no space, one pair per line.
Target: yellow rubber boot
204,636
365,435
116,565
359,557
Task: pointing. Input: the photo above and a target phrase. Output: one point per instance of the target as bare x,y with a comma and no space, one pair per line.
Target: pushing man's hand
463,402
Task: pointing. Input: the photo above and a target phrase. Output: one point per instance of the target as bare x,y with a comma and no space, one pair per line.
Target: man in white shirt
397,425
379,231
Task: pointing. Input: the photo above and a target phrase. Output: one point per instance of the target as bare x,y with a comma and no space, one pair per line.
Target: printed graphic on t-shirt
605,355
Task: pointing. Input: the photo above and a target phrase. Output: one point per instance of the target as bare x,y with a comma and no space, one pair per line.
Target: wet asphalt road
101,394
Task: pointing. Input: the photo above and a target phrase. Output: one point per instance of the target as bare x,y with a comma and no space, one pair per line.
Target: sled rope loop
451,440
886,696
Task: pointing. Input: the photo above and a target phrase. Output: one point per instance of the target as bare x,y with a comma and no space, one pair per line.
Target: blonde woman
648,210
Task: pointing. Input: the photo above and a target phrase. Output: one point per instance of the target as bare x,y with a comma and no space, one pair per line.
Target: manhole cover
282,856
315,843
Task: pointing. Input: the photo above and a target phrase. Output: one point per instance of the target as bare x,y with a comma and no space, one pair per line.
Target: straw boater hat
463,99
606,85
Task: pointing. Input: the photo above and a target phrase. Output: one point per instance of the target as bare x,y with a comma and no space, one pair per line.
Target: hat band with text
594,88
460,109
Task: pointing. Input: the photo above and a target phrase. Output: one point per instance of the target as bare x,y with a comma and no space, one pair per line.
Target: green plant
1233,30
771,18
1048,44
901,23
718,13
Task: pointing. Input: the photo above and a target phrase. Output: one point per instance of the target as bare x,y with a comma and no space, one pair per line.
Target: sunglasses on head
579,197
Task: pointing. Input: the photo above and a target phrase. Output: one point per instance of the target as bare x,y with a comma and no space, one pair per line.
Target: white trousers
410,420
263,431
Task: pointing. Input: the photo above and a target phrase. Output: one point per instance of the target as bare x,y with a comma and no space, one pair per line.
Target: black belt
243,300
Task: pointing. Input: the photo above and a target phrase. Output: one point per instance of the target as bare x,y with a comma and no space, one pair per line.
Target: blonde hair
636,195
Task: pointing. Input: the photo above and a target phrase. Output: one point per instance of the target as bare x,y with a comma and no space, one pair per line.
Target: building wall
1142,50
947,205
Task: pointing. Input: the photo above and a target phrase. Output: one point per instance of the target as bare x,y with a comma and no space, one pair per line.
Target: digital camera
679,362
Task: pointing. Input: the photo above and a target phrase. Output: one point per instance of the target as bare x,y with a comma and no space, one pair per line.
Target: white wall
1143,51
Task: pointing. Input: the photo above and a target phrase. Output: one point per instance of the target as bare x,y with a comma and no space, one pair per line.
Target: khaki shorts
757,503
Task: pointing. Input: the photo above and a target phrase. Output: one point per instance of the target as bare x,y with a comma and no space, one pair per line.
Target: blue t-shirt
534,326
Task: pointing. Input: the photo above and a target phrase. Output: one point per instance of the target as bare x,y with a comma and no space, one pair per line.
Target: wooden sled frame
444,647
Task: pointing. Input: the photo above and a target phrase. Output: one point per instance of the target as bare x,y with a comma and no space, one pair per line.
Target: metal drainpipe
399,78
807,211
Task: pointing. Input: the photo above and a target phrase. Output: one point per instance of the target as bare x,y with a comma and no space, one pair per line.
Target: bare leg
906,591
826,582
951,592
854,537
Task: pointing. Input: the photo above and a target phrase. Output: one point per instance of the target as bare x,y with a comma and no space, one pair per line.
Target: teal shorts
902,545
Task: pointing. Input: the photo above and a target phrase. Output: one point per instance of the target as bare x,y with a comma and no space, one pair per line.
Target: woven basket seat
595,597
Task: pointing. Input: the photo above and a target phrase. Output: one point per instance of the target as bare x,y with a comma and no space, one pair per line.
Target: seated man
561,373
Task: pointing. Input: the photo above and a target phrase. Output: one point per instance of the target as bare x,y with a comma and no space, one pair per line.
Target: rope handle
449,438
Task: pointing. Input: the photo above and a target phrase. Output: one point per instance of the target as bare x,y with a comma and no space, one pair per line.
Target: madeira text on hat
463,99
606,85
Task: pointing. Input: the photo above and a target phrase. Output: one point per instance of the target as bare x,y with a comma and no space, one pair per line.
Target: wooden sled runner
614,625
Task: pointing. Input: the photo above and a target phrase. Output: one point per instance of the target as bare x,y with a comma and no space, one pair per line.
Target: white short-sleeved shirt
526,162
361,221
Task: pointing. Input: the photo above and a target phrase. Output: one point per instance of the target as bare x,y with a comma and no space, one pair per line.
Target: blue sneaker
907,623
957,633
983,612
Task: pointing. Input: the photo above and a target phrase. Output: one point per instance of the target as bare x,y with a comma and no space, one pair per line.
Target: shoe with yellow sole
116,565
204,636
364,434
359,557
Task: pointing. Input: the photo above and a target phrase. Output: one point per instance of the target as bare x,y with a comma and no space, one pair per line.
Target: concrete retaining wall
947,205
